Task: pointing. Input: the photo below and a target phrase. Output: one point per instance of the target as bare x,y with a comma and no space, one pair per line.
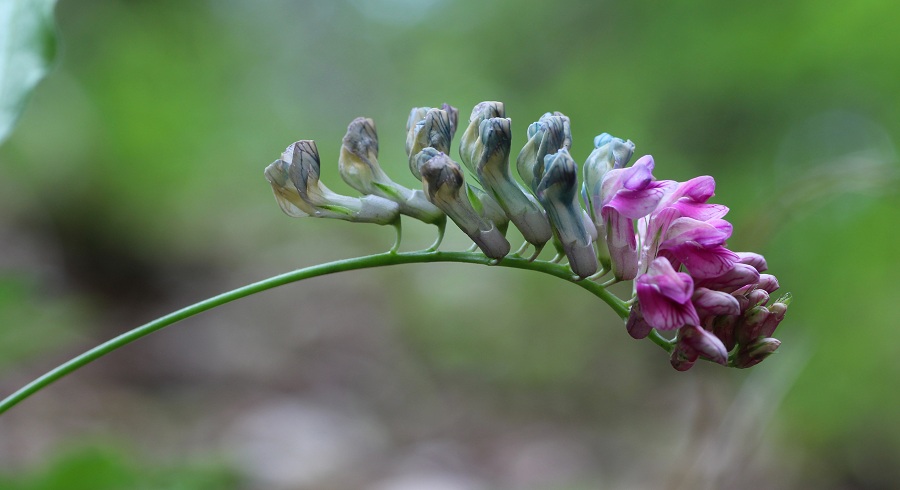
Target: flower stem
378,260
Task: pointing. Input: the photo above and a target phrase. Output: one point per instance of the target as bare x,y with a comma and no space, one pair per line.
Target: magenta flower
699,246
627,194
665,297
680,200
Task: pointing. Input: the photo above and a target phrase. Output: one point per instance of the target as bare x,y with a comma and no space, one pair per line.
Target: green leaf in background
27,46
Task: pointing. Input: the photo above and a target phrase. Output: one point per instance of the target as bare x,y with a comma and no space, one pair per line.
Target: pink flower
665,297
627,194
699,246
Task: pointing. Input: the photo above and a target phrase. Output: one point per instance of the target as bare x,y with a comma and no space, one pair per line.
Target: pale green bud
445,186
484,205
491,161
359,168
416,115
469,150
295,181
435,129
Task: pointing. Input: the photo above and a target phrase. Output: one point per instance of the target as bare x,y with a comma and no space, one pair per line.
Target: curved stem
399,229
378,260
661,341
441,227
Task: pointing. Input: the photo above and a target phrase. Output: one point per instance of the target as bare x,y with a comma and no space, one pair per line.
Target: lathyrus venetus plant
664,235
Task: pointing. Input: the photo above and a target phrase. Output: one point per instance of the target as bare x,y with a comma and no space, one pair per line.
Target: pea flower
445,186
693,342
699,245
558,192
665,297
626,194
359,168
295,181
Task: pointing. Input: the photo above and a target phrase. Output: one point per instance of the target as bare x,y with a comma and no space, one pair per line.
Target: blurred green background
133,186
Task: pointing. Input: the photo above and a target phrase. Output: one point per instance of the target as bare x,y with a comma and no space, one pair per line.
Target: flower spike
665,235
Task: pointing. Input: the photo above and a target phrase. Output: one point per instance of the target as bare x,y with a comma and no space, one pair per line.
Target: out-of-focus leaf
27,47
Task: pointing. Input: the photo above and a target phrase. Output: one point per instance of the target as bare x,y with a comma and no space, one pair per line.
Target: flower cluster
718,304
662,234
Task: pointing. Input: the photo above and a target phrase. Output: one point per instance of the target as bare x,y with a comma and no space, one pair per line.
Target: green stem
378,260
661,341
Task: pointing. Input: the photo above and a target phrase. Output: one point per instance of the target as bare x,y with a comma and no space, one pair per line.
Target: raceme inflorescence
619,222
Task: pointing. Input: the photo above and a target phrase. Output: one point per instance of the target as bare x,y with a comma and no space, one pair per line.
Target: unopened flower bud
545,137
488,155
751,324
768,283
757,297
723,328
737,277
295,181
683,357
715,303
416,116
754,260
636,326
359,168
558,192
445,186
705,343
776,314
743,297
432,128
566,141
609,153
469,145
752,355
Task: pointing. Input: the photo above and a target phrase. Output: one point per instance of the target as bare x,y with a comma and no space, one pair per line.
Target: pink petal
699,189
754,260
700,211
710,302
735,278
622,244
690,230
704,342
638,175
638,203
703,262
